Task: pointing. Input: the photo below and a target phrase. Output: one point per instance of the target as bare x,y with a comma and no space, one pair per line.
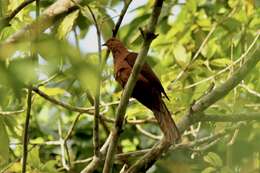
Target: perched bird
148,89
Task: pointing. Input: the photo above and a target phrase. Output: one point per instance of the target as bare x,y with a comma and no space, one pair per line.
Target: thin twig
8,113
255,93
26,129
213,28
65,105
148,134
62,146
69,133
97,94
196,54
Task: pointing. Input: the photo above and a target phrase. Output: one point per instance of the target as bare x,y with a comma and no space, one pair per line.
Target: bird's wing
147,72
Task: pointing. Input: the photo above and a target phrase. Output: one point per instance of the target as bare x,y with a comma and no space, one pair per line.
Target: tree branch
64,105
5,21
26,128
149,36
222,90
8,113
52,14
97,94
228,117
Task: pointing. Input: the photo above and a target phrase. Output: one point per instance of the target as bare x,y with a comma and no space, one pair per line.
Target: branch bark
26,128
52,14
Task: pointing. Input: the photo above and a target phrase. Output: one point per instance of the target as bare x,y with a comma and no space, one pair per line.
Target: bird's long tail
166,122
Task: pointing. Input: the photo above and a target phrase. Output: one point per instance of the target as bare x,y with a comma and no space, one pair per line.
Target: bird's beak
105,44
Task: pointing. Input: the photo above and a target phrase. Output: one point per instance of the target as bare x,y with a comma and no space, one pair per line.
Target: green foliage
4,143
68,73
67,24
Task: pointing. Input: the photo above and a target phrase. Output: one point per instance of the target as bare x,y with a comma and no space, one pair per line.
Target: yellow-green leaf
52,91
67,24
4,143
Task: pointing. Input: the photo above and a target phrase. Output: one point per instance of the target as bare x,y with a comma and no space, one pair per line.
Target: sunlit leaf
52,91
181,56
221,62
33,158
67,24
213,159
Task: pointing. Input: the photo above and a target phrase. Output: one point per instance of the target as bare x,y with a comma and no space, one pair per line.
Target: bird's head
114,44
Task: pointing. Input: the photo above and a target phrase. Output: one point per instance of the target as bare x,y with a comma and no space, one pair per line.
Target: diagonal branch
57,102
4,22
52,14
149,36
222,90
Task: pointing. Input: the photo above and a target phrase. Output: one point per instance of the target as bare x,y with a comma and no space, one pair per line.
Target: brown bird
148,89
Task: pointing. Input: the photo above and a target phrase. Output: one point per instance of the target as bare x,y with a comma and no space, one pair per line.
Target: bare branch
121,16
8,113
196,54
97,94
148,134
65,105
255,93
26,129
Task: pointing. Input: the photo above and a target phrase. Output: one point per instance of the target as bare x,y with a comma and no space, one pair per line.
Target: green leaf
181,56
191,5
23,70
232,24
4,143
209,170
67,24
221,62
213,159
129,145
53,91
226,170
50,167
34,159
106,25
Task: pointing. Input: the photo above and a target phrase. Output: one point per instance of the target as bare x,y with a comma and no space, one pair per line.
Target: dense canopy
60,103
